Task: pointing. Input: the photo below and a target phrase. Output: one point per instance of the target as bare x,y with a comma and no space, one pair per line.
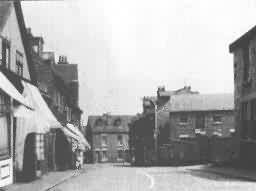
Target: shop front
9,96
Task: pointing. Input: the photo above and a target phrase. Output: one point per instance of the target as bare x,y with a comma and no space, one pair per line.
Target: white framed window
119,140
217,119
104,140
104,157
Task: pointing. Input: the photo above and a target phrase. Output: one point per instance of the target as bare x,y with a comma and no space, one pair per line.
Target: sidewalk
239,173
46,182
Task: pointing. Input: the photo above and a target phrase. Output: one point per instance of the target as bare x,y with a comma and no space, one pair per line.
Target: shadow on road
210,173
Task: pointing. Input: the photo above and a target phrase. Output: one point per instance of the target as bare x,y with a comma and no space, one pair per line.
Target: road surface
115,177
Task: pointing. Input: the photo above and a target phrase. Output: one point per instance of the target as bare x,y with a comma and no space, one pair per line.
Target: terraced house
244,64
108,136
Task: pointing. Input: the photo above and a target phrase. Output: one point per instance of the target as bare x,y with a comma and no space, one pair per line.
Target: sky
126,49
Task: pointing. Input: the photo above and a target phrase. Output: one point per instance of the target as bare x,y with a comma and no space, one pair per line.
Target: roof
25,40
68,72
125,119
200,102
4,13
243,40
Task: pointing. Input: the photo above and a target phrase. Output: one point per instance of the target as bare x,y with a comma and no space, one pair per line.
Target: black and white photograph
127,95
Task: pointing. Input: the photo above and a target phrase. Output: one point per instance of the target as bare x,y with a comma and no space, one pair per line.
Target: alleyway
113,177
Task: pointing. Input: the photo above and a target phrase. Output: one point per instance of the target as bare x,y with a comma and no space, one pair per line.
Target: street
115,177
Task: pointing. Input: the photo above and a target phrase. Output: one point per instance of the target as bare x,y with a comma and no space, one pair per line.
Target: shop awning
82,139
41,115
9,89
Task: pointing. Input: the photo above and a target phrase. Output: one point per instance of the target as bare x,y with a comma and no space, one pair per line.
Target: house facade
108,136
207,114
244,59
15,65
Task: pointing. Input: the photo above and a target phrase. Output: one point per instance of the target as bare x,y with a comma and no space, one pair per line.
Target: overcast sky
126,49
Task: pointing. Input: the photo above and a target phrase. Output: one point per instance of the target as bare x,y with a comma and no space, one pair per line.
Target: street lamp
155,130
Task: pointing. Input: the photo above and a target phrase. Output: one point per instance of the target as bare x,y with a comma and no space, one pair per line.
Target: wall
188,129
11,31
112,145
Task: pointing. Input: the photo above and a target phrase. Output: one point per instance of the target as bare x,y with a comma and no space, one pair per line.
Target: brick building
108,136
208,114
244,59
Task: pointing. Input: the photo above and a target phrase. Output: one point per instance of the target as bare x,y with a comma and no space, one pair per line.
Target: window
104,156
103,140
40,146
4,126
217,119
5,54
19,63
246,64
117,122
120,140
184,118
119,154
99,122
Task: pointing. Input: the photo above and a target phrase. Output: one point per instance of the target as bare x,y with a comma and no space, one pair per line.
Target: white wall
11,31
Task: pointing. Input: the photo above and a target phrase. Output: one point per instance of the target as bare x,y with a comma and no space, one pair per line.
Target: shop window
40,146
4,126
4,141
19,63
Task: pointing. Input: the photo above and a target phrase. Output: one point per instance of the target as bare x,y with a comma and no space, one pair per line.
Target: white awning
9,89
41,115
82,139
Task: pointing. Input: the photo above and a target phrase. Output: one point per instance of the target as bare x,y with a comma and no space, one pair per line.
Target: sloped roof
125,119
68,72
244,39
4,13
200,102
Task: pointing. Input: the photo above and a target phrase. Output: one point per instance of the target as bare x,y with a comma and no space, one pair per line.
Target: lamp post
155,130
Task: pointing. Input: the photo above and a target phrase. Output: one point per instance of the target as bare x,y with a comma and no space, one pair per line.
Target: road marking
151,178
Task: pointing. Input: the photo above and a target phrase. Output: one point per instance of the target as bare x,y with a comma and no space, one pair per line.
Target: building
208,114
244,58
108,136
15,67
59,87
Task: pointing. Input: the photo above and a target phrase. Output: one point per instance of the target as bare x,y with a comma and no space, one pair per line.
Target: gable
11,31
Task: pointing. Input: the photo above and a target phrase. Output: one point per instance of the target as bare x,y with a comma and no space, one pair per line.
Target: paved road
111,177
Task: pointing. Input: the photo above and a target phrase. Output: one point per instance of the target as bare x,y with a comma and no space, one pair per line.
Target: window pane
4,141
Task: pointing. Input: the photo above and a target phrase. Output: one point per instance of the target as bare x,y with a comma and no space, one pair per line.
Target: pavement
46,182
239,173
118,177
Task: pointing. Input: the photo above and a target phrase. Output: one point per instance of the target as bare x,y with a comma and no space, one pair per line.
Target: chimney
63,60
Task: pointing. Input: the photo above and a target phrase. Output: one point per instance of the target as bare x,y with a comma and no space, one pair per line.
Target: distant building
244,59
208,114
108,136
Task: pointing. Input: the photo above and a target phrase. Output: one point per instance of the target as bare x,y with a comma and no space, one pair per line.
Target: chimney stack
63,60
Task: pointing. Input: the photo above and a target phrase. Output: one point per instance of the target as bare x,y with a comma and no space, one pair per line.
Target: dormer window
117,122
99,122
